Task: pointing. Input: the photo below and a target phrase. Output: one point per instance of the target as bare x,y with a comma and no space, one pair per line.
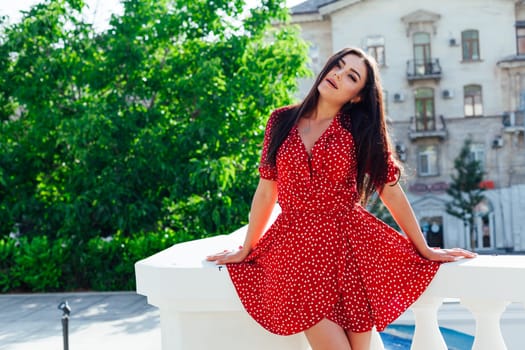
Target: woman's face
344,81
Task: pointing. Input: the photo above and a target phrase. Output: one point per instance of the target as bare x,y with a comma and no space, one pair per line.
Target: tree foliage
153,125
465,189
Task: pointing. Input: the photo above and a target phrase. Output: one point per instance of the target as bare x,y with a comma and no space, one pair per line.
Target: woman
326,266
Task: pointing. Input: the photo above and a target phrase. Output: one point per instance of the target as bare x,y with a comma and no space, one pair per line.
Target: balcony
432,127
513,122
423,70
199,308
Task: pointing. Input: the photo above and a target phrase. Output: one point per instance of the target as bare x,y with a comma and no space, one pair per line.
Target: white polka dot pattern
325,256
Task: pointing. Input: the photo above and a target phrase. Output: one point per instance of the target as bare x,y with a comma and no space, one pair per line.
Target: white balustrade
199,308
485,285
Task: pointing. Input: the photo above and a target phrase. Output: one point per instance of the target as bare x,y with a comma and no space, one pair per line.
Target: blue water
399,337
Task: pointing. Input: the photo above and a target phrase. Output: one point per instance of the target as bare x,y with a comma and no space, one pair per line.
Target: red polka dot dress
325,256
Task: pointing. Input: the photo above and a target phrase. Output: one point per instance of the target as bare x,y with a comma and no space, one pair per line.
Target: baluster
427,335
376,343
488,330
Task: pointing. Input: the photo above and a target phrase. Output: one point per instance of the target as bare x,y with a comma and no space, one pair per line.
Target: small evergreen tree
465,188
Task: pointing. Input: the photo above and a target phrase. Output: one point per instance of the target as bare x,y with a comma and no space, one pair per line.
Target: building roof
310,6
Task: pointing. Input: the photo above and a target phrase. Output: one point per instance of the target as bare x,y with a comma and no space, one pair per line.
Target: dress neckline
323,135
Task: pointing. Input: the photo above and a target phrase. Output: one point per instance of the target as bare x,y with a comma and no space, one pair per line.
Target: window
477,152
432,228
470,44
425,119
520,37
427,161
483,225
375,47
422,55
473,102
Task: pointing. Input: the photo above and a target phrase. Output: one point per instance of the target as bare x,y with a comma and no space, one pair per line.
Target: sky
99,10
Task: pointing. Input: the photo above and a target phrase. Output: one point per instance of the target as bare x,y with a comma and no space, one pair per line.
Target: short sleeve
393,170
267,171
393,173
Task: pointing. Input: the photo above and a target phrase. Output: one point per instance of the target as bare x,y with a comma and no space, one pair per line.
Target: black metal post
65,331
64,306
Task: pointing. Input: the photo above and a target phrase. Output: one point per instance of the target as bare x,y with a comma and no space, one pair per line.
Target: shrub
38,264
8,251
111,262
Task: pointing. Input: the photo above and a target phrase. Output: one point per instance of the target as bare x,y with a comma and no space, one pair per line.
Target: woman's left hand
447,255
229,257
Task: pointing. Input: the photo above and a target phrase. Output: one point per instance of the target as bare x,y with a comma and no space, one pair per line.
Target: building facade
451,70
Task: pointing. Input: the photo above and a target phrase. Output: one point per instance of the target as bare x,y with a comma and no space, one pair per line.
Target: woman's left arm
397,203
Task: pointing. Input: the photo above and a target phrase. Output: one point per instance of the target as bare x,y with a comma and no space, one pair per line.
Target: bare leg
359,341
327,335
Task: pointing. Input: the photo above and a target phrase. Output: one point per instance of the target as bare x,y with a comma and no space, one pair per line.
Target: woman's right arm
262,206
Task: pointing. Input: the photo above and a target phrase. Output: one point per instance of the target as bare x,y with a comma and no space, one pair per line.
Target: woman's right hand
229,257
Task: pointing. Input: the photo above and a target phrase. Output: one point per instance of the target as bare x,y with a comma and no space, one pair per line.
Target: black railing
513,119
423,69
425,123
428,127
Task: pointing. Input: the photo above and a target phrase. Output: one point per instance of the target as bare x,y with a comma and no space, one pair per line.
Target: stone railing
199,308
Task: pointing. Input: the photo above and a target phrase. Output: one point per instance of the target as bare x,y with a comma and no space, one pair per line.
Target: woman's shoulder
280,114
283,109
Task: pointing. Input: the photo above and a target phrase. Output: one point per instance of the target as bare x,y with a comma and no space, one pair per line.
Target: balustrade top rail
487,276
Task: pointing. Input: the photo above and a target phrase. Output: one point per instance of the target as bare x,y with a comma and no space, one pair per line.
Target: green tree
154,123
465,189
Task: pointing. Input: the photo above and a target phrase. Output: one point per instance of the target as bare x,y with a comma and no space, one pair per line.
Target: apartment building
451,70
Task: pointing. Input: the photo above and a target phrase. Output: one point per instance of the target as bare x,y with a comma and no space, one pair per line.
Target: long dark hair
364,119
